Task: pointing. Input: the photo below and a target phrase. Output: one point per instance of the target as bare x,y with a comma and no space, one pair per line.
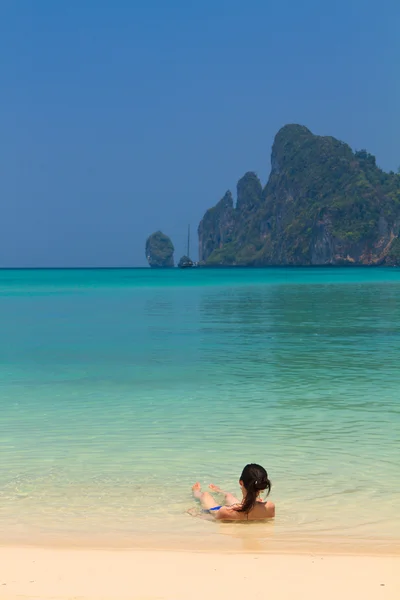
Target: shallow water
119,389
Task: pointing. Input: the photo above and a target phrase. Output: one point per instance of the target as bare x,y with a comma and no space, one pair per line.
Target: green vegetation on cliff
323,204
393,255
159,250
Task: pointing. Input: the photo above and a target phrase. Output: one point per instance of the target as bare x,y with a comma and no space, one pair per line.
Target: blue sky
119,118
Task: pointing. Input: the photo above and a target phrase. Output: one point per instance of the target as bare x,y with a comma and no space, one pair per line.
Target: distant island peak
323,204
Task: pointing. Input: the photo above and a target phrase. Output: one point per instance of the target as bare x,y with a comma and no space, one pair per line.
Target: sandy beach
61,574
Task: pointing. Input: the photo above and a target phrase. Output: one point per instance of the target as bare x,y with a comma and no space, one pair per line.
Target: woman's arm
229,498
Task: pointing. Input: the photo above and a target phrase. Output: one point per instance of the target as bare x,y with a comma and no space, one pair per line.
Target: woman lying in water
253,481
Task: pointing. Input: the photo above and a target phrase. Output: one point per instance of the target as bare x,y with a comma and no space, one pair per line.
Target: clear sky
118,118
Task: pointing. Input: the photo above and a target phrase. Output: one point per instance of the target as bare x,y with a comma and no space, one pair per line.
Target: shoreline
49,574
210,544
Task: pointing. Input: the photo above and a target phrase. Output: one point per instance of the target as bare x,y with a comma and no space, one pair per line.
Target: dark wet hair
255,479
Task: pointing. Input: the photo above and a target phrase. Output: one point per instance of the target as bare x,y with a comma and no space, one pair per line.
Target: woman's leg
206,500
229,498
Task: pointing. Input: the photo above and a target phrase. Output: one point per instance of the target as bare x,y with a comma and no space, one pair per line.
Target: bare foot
215,488
196,489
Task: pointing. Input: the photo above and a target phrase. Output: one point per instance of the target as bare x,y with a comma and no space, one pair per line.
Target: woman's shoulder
262,510
269,508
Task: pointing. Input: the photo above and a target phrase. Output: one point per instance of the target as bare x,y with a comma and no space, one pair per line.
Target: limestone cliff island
159,251
323,204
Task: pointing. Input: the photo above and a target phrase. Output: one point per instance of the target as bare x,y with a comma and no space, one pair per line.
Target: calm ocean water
120,388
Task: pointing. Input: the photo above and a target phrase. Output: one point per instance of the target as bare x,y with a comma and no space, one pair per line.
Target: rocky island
322,205
159,251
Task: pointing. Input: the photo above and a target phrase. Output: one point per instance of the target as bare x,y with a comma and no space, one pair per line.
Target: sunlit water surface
119,389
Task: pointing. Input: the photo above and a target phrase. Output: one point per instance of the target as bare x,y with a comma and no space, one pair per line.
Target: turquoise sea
121,388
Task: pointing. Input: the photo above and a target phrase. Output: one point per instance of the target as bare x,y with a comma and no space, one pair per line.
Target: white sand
61,574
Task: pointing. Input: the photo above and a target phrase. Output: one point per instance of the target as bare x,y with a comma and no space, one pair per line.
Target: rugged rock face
216,228
393,255
323,204
159,250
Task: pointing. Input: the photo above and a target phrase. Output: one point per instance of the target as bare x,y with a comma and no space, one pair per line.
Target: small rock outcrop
159,251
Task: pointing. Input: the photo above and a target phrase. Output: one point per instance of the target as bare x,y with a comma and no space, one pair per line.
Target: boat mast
188,241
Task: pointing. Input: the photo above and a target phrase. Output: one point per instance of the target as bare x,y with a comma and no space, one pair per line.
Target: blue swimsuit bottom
207,510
